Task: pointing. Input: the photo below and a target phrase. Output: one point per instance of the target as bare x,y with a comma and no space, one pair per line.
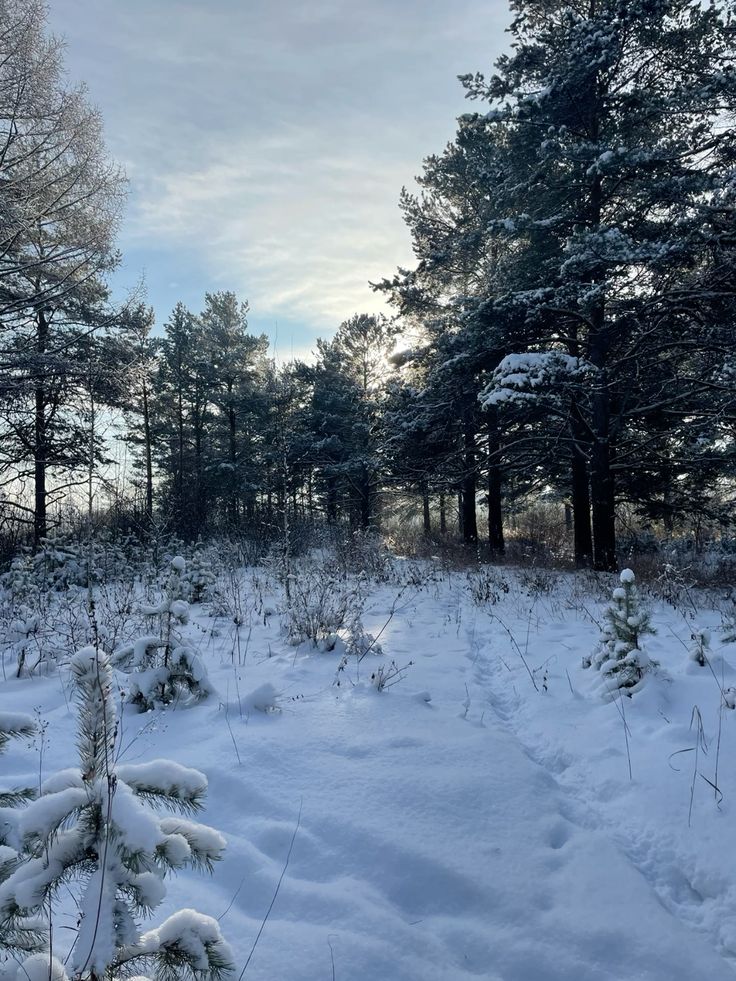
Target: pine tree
183,414
137,351
98,825
348,384
163,668
620,655
237,362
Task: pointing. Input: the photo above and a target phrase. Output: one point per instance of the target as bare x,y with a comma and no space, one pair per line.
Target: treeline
566,333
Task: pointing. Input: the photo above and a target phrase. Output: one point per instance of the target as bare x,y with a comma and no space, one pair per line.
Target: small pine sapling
620,655
164,669
699,651
98,825
200,576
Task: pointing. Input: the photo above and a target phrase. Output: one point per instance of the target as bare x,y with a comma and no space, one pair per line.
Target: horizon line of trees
568,328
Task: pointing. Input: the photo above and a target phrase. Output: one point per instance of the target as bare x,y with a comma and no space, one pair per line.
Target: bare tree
60,202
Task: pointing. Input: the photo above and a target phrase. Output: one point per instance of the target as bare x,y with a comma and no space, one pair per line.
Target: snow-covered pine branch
534,375
25,934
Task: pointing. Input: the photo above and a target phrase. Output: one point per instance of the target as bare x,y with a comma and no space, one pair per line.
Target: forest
565,339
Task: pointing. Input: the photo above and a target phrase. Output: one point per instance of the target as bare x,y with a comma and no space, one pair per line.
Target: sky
266,143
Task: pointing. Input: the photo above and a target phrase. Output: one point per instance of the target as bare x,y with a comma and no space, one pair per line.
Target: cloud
267,142
292,225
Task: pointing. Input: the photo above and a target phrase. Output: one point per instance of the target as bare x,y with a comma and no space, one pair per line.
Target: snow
61,780
189,930
137,825
25,888
11,722
40,967
43,816
462,823
519,376
204,842
163,776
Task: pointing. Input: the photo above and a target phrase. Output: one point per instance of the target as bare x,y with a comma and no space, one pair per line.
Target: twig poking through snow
276,892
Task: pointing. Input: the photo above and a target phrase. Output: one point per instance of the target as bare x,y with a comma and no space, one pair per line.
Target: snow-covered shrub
22,609
163,667
114,831
24,637
699,650
620,656
319,604
486,586
20,580
363,552
415,574
116,612
61,562
536,582
359,642
674,584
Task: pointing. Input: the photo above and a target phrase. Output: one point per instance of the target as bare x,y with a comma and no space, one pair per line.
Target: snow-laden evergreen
700,649
163,668
96,829
621,656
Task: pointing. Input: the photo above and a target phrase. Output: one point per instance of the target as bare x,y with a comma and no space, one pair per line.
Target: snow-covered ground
487,816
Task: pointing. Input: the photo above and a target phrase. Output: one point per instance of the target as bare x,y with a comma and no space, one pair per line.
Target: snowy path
691,869
489,833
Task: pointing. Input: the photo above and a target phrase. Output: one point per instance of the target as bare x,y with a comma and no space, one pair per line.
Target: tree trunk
582,535
91,454
179,483
602,487
495,502
199,516
364,499
331,501
40,447
443,514
470,479
149,458
233,452
603,496
426,519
